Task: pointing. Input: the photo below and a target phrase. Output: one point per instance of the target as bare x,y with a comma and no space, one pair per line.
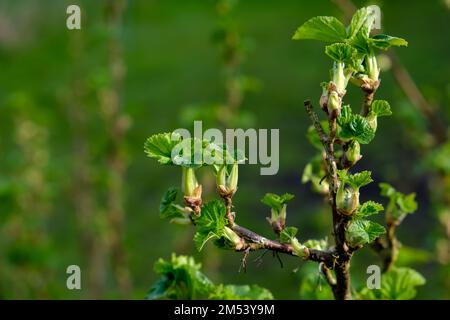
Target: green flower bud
372,67
278,219
297,247
232,180
372,120
339,77
233,237
227,182
221,177
360,79
189,181
334,103
347,200
323,102
353,153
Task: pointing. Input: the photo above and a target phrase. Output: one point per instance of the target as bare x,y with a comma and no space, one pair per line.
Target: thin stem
255,242
342,289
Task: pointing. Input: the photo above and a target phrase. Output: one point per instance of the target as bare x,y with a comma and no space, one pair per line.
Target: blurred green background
77,105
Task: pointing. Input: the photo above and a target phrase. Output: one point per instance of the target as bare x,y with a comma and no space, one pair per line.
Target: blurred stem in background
117,124
435,150
101,221
82,189
232,54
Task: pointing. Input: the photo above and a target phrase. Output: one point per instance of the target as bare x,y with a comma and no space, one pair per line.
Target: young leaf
315,172
360,42
346,115
328,29
210,224
275,201
190,153
167,206
407,203
399,203
386,189
341,52
159,146
181,278
368,208
356,180
360,232
354,126
358,21
313,136
380,108
383,41
242,292
287,234
321,244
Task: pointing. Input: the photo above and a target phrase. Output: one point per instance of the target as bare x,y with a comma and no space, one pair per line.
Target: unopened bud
334,104
189,181
347,200
232,180
372,120
353,153
298,248
233,237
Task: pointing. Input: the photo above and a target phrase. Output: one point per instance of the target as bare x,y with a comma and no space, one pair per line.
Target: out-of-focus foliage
397,284
51,82
181,278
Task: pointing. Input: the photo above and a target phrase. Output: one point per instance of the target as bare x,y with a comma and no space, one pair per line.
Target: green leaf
397,284
321,244
368,208
314,171
313,136
210,224
275,201
360,42
386,189
159,146
358,129
407,203
346,115
287,234
190,153
328,29
358,21
399,203
181,278
354,126
240,292
360,232
167,207
356,180
380,108
384,41
341,52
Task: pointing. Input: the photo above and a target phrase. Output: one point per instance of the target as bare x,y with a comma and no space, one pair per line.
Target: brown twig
254,242
342,289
